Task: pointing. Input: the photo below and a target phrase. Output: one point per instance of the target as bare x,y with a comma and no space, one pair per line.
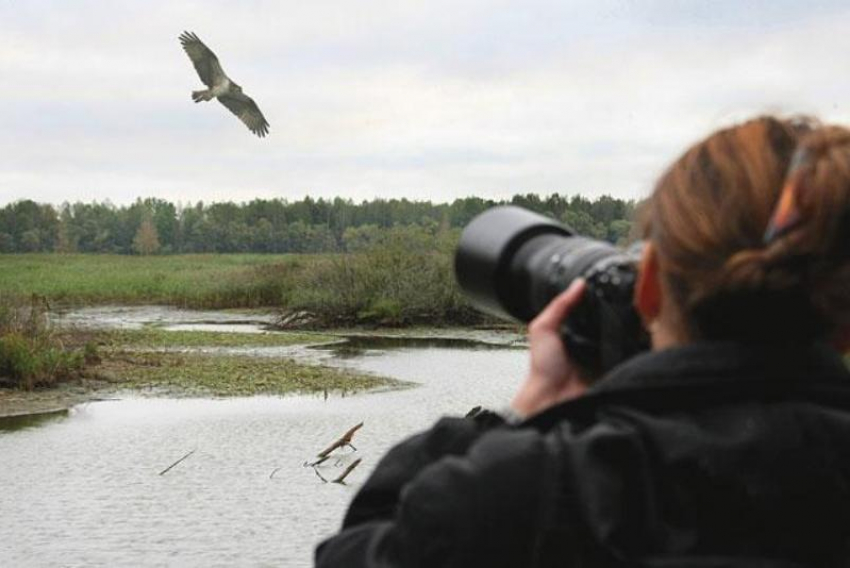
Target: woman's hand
552,378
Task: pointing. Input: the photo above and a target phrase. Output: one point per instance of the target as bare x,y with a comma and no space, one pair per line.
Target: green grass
196,374
130,361
32,355
157,338
205,280
27,362
406,278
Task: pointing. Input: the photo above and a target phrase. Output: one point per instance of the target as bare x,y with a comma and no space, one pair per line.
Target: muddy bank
17,403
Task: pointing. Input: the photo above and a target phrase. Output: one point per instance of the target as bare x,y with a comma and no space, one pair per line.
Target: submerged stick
163,472
344,440
317,462
349,469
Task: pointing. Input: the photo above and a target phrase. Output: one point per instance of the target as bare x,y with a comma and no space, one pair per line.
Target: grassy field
404,280
199,281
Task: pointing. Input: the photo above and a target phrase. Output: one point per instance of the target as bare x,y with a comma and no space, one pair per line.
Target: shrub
30,354
403,277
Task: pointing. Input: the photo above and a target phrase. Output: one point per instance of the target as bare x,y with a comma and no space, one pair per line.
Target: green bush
16,359
30,355
405,276
26,364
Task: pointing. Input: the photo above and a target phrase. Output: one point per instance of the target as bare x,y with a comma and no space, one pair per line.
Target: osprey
221,87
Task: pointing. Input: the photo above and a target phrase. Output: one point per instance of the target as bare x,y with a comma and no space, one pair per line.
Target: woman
727,445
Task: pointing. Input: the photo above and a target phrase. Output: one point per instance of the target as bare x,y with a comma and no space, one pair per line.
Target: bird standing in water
221,87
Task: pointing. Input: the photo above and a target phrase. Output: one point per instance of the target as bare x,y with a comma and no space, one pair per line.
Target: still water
84,488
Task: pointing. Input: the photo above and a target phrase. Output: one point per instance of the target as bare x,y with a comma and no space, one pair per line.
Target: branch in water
349,469
344,440
317,462
166,470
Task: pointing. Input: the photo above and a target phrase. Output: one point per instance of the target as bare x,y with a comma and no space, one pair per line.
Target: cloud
419,99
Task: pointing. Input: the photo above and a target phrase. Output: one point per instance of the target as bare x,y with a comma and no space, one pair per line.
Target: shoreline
20,404
162,350
154,362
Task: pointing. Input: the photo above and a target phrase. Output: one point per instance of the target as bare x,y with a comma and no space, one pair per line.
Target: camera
511,262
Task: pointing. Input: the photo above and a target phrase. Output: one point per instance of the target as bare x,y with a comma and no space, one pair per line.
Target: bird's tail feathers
204,95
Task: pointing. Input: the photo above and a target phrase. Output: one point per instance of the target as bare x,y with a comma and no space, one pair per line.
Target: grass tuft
31,354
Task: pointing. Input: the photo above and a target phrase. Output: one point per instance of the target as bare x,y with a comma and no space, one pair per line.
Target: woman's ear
648,288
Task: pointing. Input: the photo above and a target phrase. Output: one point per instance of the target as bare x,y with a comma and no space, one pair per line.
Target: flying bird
221,87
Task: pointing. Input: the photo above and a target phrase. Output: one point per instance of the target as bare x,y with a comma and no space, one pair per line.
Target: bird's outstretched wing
248,112
204,60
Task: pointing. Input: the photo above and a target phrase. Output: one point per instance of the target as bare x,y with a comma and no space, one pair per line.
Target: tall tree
146,240
275,225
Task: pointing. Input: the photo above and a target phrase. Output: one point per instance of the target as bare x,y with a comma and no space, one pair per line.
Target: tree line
157,226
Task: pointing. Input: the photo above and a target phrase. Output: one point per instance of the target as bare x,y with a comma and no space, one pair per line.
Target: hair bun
708,219
744,270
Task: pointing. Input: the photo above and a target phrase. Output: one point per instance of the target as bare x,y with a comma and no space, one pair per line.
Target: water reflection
13,423
136,317
228,327
354,346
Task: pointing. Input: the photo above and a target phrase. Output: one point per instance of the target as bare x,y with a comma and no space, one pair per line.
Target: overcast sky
431,99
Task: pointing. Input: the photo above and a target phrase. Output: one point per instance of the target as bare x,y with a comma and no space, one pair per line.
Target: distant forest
156,226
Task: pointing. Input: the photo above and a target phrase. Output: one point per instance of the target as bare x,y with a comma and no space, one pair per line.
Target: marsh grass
158,338
404,277
195,374
32,354
193,281
185,363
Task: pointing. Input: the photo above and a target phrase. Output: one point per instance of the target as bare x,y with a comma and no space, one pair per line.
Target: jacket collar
721,362
709,372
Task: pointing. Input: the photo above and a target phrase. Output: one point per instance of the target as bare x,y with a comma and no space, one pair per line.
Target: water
135,317
85,489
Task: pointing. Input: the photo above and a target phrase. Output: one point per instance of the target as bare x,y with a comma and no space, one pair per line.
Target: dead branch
349,469
344,440
317,462
163,472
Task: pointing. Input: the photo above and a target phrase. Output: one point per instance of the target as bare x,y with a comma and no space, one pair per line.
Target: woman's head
706,222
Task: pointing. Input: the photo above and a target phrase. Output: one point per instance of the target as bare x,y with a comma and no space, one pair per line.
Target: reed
31,354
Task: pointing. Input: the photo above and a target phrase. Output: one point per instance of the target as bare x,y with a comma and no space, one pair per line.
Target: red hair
710,213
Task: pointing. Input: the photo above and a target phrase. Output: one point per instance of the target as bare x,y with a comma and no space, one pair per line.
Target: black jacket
703,456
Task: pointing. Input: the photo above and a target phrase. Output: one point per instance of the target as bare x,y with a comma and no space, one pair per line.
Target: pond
84,488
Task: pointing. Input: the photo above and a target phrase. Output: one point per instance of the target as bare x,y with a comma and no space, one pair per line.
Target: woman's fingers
552,378
558,309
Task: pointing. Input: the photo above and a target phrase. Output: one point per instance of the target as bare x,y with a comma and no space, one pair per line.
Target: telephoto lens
512,262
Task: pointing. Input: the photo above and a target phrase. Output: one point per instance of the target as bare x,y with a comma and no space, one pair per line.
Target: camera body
511,263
